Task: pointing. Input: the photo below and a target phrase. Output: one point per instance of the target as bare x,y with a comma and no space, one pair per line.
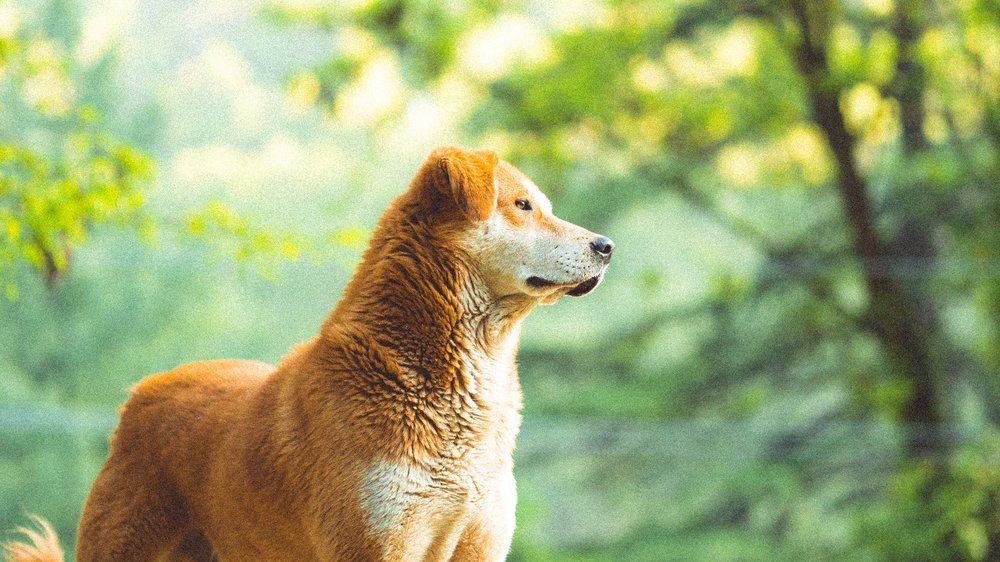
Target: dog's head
506,227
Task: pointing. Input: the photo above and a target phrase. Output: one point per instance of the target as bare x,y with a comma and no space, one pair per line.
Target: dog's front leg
429,536
488,535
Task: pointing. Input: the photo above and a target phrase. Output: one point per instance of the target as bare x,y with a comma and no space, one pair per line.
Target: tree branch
747,232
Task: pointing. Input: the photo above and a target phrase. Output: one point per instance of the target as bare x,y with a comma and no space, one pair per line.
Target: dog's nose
603,246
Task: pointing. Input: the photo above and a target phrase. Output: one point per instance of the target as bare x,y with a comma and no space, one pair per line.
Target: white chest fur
387,490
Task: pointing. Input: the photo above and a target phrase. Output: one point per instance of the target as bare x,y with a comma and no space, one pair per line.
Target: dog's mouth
585,287
539,283
576,290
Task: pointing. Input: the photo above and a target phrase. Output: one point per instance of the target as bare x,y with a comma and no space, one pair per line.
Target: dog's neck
427,310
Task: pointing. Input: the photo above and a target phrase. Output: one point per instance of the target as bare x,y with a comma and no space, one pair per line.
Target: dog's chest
387,491
454,453
430,501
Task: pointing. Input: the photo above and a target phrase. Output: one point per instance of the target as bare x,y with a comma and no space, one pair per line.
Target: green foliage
66,172
424,35
958,521
62,173
236,236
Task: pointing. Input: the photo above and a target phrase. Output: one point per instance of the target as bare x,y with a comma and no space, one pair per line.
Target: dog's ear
470,177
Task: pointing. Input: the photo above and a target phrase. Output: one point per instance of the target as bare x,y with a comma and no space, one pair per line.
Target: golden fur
389,435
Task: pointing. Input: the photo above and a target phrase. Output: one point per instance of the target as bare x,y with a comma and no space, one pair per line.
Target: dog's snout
603,246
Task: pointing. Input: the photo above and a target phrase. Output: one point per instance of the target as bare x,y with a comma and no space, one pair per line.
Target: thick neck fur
418,298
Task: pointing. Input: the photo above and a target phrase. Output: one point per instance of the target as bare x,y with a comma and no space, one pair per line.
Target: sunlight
736,52
283,164
806,147
50,91
43,53
282,152
98,33
738,164
103,25
934,40
573,15
224,69
880,8
223,64
492,50
199,165
422,117
845,46
376,91
355,43
860,105
303,91
683,63
649,76
10,20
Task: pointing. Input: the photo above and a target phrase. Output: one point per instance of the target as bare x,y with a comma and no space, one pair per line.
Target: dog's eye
523,204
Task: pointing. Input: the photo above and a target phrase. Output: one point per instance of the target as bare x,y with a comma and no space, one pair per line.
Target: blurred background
795,354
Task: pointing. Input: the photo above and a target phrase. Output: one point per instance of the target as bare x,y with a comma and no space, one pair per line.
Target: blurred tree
62,172
66,170
853,145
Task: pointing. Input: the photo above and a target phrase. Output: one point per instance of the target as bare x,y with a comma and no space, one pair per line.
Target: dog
389,435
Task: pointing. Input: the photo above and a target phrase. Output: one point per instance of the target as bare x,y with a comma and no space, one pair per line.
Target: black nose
603,246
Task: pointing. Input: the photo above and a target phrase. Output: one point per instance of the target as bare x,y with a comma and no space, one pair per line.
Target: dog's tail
40,545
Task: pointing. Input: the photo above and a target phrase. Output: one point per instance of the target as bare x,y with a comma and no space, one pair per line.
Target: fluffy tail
40,545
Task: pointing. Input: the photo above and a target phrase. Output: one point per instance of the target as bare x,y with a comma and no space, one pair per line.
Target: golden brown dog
389,435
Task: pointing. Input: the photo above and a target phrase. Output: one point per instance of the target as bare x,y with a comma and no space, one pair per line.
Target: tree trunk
908,84
897,322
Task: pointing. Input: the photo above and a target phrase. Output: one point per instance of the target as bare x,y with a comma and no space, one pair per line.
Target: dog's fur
389,435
